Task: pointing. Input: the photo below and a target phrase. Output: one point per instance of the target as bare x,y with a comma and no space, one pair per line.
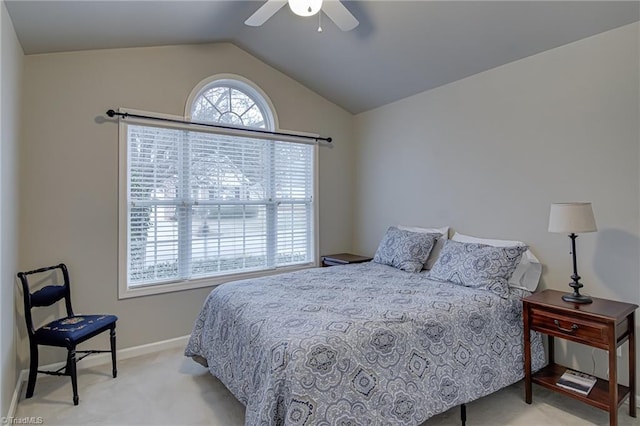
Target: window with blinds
201,204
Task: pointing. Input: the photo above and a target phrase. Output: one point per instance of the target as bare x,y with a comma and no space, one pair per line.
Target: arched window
203,204
232,102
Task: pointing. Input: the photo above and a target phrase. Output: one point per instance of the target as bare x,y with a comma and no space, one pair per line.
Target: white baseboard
99,359
16,394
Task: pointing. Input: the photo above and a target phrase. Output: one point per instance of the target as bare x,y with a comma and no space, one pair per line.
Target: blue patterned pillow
405,250
477,265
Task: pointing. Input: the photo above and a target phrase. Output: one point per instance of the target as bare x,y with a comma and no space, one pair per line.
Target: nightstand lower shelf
598,397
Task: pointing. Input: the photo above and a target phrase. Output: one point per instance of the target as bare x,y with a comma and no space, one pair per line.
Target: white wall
10,82
69,166
488,154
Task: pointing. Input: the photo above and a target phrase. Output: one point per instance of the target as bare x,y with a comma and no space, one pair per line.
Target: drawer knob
574,327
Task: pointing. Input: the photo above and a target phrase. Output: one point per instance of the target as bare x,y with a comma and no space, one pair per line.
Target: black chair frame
69,369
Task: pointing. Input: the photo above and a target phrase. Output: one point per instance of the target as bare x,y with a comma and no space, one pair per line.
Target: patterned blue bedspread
363,344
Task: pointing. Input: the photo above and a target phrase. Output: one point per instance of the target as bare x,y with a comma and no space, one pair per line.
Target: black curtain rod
112,113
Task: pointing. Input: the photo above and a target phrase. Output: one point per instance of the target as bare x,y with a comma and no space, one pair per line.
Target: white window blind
202,204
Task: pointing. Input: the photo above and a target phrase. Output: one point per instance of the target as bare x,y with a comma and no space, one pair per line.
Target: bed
361,344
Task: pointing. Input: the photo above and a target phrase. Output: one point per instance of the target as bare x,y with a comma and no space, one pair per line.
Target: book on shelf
577,381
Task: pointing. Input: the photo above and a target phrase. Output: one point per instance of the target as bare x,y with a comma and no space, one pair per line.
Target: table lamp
573,218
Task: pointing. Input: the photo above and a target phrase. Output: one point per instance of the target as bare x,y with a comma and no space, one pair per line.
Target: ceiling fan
334,9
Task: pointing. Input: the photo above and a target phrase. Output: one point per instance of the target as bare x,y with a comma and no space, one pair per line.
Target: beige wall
69,168
488,154
10,81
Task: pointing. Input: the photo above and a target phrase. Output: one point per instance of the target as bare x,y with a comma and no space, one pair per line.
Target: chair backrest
45,296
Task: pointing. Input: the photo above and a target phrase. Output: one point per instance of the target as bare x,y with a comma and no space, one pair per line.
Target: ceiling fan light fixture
305,7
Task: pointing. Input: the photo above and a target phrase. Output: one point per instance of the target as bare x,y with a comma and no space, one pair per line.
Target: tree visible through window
225,104
202,204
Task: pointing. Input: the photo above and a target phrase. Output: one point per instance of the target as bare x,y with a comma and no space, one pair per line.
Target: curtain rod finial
111,113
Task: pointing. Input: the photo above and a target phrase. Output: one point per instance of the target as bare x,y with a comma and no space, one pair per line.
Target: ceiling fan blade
265,12
339,14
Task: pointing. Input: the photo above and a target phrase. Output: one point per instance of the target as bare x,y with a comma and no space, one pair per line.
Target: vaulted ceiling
399,49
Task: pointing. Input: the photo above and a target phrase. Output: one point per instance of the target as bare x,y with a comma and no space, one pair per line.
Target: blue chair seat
73,330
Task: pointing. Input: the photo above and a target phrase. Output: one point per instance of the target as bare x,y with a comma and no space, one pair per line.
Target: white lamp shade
571,218
305,7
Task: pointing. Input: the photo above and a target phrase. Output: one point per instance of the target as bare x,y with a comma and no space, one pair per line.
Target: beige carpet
168,389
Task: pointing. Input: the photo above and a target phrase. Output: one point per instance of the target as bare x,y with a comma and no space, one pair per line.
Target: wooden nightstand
343,259
603,324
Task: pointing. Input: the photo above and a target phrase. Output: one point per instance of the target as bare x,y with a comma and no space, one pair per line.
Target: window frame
124,291
244,85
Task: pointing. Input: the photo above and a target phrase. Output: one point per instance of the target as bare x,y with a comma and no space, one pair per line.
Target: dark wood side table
343,259
603,324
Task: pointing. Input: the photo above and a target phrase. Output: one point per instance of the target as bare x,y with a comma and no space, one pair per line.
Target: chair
67,332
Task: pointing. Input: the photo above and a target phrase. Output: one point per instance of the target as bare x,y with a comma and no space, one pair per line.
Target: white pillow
435,252
527,273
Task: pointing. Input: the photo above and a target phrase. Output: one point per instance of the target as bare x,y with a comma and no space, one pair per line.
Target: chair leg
33,370
112,338
71,365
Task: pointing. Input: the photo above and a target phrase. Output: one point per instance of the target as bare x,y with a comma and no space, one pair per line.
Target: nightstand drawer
575,329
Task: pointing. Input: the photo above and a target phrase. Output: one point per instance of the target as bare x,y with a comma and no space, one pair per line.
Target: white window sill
126,292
